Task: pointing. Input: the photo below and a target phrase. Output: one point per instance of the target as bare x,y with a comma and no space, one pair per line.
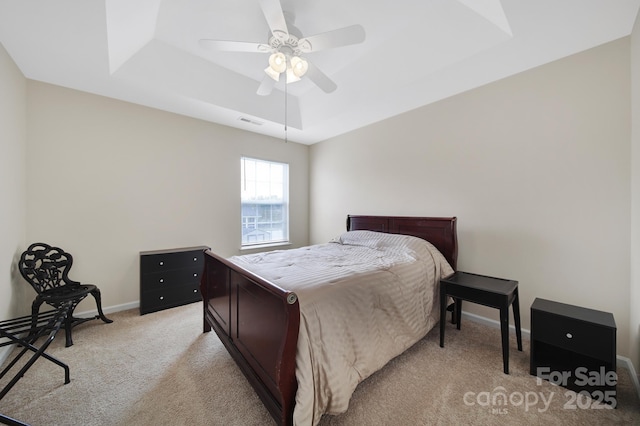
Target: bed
270,332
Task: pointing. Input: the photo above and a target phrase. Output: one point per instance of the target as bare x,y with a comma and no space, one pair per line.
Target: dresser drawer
167,298
167,261
173,277
573,335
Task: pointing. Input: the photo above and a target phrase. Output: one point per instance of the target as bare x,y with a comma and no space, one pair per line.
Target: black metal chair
46,268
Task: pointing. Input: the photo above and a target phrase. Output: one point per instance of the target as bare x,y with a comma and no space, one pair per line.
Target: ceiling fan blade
320,79
266,86
275,18
353,34
234,46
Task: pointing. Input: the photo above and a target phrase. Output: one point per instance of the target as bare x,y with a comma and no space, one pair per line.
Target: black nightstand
489,291
574,347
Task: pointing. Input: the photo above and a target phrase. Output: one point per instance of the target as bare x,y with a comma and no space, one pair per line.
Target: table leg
504,330
458,311
516,319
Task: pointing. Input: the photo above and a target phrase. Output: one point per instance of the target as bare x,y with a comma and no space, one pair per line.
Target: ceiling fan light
299,66
278,62
291,76
273,74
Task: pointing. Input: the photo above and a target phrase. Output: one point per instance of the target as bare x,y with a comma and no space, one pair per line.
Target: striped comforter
365,297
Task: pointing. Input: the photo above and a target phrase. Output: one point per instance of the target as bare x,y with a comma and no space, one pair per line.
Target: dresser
574,347
170,278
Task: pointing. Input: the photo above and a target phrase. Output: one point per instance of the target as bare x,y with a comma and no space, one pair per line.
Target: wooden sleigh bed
258,322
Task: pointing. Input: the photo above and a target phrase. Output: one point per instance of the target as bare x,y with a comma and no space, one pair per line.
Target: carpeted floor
160,369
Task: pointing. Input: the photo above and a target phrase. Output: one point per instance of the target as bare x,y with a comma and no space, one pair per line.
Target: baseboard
493,323
621,361
109,309
624,362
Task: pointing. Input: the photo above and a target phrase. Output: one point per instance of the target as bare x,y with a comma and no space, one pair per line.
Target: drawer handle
569,336
161,263
195,259
161,280
195,275
161,297
195,291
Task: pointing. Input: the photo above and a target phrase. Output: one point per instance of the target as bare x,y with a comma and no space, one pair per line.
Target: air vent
250,121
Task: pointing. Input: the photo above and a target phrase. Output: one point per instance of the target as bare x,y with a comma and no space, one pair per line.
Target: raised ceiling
415,52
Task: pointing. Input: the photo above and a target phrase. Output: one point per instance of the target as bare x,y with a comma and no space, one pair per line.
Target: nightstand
574,347
494,292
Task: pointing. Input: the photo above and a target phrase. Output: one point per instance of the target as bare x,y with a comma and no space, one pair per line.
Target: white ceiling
416,52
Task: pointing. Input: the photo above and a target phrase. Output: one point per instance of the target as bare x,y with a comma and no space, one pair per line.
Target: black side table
489,291
574,347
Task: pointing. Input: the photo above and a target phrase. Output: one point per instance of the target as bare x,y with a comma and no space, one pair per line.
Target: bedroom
543,178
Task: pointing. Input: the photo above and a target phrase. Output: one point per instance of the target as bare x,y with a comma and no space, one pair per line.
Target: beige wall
634,298
13,137
108,179
536,168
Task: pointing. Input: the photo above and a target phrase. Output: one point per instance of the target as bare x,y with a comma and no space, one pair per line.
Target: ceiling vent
250,121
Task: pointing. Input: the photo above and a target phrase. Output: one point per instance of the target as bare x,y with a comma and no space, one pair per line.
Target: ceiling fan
288,47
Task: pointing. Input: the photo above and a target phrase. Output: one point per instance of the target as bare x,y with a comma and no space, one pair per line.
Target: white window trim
286,217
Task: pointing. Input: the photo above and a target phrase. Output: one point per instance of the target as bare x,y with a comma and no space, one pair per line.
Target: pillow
369,239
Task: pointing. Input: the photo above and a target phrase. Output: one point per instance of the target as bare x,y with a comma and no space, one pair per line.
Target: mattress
365,297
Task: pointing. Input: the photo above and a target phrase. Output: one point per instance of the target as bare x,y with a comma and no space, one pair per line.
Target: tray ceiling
415,53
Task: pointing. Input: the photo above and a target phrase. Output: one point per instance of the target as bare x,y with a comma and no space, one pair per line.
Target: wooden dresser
170,278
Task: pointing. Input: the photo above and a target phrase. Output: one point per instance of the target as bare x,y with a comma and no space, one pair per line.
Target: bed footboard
258,323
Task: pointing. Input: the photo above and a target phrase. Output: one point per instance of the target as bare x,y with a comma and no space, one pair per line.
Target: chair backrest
44,266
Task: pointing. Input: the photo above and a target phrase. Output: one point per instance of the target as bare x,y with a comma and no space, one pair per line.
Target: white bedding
364,298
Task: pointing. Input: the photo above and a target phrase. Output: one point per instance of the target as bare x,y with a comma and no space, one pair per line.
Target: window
265,202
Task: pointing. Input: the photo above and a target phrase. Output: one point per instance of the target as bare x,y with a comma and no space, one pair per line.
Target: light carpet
160,369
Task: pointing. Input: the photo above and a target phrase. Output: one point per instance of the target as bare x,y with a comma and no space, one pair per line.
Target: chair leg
68,322
96,295
68,325
72,321
35,309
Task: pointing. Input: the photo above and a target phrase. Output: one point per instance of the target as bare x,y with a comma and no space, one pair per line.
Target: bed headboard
439,231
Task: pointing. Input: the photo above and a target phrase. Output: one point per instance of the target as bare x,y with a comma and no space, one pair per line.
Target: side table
494,292
574,347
